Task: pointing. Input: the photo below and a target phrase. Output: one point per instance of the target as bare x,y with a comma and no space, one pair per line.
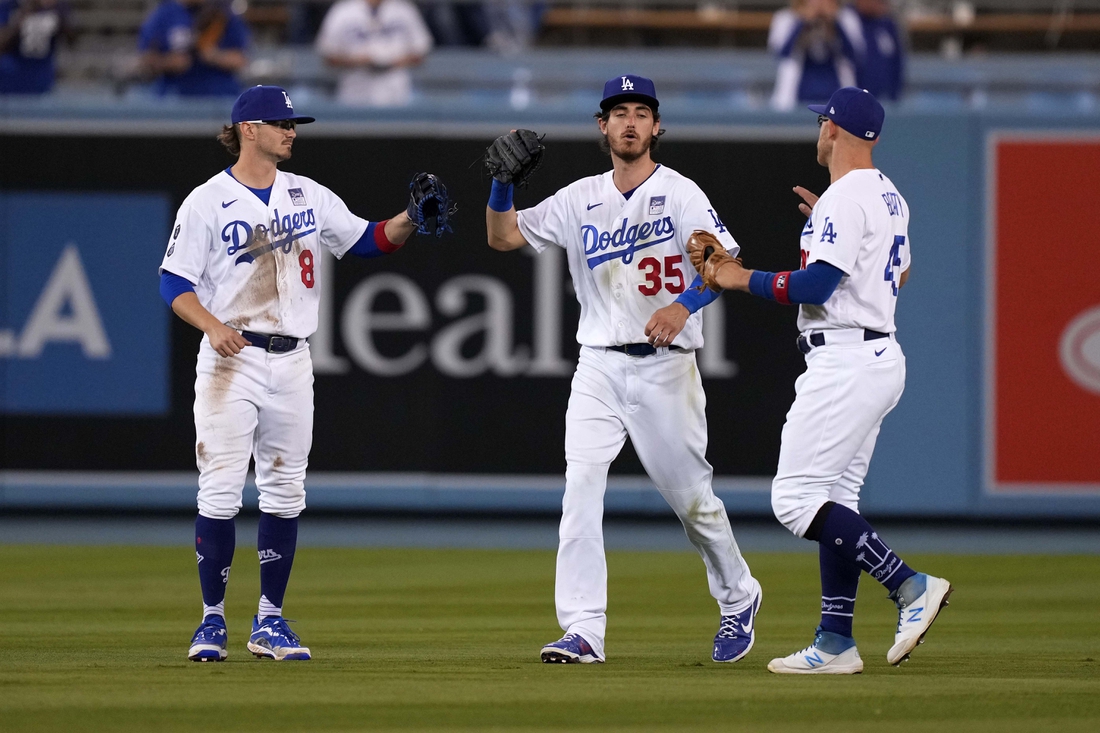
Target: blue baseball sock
215,541
839,581
850,536
276,542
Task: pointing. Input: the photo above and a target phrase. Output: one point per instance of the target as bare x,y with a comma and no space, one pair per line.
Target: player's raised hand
666,324
225,340
809,197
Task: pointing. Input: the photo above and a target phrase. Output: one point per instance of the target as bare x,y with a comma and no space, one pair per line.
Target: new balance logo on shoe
811,659
914,615
267,556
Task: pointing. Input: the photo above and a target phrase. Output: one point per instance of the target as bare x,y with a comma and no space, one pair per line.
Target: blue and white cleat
570,649
919,600
272,638
829,654
737,633
209,642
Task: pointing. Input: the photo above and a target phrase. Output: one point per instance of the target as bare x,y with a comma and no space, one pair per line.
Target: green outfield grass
95,638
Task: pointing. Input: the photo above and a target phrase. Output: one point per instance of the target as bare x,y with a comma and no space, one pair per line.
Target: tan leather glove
707,255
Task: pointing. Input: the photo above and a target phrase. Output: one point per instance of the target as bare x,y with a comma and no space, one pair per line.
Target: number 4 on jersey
893,264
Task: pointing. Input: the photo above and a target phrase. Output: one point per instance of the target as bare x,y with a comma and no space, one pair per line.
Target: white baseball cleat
829,654
919,600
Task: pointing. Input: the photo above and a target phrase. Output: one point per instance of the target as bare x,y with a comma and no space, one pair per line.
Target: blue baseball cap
855,110
263,103
629,88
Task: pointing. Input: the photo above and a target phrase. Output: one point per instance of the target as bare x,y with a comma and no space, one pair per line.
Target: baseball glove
512,158
430,207
707,255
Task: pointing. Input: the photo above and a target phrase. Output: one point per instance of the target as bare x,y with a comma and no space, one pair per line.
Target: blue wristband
500,198
760,284
694,299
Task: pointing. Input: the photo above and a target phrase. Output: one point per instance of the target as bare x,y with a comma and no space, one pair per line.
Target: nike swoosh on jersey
226,205
880,353
592,206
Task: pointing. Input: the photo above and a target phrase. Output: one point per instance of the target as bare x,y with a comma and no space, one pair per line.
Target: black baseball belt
642,349
272,344
819,339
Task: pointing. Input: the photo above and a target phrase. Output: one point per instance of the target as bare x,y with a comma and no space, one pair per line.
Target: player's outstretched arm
225,340
400,227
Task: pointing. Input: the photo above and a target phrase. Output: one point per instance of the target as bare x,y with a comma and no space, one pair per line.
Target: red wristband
780,284
380,240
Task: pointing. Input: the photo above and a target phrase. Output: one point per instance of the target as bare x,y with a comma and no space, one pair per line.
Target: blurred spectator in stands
29,31
373,43
194,47
458,24
816,55
880,52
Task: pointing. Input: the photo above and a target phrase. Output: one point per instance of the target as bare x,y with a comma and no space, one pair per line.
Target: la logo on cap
287,98
627,85
832,110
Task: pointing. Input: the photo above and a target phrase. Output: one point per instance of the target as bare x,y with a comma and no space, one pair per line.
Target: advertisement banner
1043,339
444,358
81,327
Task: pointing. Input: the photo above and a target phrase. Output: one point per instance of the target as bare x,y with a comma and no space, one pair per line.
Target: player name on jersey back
254,265
861,226
627,257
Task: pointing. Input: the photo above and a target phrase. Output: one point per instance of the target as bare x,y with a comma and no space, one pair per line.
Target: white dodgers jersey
627,257
861,226
254,265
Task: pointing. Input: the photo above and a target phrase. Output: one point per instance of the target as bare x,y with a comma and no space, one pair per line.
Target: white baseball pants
253,404
659,402
848,387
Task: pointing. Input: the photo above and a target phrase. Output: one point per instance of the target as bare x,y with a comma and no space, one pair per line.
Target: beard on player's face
629,149
277,147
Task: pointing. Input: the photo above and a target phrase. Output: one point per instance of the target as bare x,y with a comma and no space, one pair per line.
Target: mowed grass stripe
409,640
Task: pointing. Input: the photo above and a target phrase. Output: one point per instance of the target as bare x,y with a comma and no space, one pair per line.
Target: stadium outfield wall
443,372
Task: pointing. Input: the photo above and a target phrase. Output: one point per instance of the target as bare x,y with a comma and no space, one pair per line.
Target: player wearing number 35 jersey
242,266
855,256
624,233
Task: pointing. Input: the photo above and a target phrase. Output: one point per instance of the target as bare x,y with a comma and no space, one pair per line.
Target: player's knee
791,509
698,506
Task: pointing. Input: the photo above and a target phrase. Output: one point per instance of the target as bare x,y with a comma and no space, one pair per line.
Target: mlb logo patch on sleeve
656,205
296,196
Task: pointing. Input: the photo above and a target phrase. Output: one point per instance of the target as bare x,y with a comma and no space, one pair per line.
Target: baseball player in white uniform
624,233
373,43
241,266
855,258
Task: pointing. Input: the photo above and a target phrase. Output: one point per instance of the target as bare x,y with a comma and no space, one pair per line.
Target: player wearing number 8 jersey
242,267
855,255
624,233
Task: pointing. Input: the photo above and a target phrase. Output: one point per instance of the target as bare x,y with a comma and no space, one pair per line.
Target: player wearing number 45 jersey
242,267
624,233
855,255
